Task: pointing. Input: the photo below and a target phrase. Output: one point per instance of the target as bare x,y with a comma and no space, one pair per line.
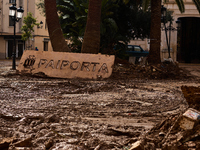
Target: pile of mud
192,95
164,70
170,133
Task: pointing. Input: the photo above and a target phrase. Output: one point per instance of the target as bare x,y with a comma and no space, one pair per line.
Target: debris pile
175,132
180,131
165,70
40,132
192,95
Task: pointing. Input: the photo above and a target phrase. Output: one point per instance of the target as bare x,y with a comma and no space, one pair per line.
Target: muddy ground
59,114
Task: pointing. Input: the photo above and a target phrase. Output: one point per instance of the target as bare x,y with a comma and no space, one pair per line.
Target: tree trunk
91,41
56,35
28,44
155,33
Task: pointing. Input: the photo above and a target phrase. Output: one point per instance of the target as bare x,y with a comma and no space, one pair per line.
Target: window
137,49
130,48
45,46
12,1
46,41
11,21
45,25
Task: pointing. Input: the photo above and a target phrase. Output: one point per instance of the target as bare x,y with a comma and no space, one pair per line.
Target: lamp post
15,17
40,25
168,28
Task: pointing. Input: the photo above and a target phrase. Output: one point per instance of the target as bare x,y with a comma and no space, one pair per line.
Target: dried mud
58,114
177,131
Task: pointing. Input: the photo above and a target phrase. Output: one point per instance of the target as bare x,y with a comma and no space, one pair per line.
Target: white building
184,43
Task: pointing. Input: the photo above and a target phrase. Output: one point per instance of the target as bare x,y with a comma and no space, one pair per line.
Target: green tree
120,22
28,28
91,36
73,17
41,7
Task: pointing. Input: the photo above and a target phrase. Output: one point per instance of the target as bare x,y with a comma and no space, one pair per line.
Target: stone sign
66,65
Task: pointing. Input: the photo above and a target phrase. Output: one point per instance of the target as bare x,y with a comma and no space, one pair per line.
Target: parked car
136,51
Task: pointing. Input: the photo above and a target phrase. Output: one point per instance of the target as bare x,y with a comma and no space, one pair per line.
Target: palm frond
145,5
181,5
111,23
197,4
125,1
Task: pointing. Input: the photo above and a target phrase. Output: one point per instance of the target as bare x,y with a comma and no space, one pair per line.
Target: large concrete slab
66,65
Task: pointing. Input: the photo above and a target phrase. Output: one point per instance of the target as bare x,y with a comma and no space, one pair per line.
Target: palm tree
56,35
91,41
155,34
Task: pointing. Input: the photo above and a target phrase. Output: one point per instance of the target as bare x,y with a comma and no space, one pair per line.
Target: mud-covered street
60,114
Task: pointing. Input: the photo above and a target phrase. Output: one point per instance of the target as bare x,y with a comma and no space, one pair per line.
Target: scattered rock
22,148
137,146
49,144
24,143
4,144
72,141
52,119
9,116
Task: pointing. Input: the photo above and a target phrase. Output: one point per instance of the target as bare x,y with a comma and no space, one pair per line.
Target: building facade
185,42
40,35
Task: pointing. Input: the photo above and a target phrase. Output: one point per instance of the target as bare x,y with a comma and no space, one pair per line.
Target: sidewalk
7,62
6,66
194,69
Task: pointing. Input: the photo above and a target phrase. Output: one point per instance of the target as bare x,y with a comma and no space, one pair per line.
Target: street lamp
40,25
15,17
168,28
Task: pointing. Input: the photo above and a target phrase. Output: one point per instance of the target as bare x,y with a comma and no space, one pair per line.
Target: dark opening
10,48
20,50
188,40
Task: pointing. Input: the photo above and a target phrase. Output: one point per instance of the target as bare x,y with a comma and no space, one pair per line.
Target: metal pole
14,44
170,28
167,40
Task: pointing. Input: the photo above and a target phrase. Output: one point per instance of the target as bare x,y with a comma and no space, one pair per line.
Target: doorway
10,48
19,48
188,40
